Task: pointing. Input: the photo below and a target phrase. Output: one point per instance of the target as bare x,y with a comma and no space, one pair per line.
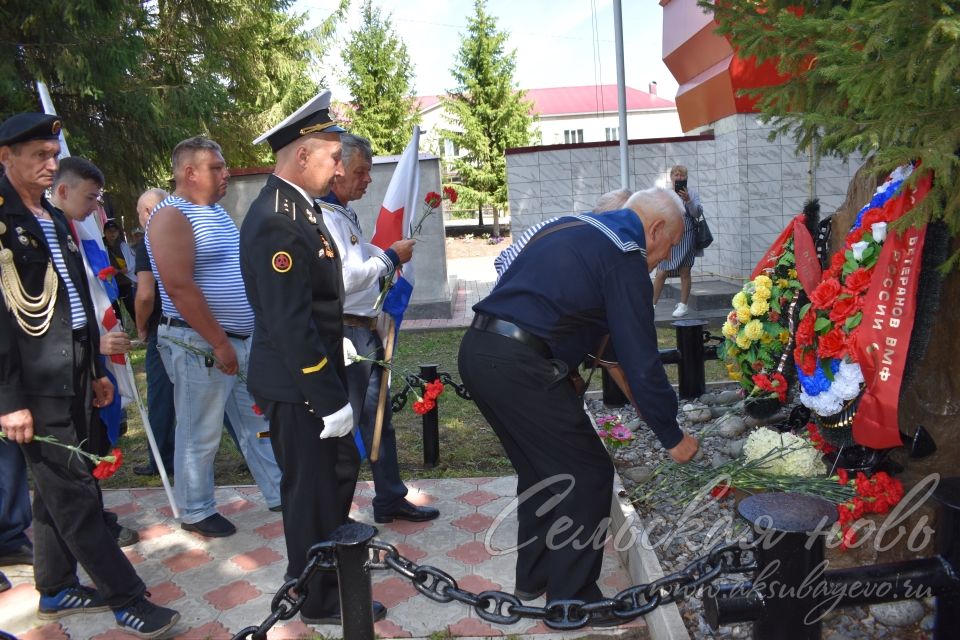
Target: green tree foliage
379,76
877,77
131,79
487,113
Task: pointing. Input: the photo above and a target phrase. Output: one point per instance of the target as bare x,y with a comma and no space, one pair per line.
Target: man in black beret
292,274
49,345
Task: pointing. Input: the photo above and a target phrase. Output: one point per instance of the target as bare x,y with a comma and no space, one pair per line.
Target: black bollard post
692,378
431,422
787,557
948,548
356,595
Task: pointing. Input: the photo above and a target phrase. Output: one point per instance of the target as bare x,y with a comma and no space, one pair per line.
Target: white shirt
363,263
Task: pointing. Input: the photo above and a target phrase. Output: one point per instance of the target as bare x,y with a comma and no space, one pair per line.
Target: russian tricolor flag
395,222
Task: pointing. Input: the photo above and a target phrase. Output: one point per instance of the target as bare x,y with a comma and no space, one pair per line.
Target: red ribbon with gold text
883,337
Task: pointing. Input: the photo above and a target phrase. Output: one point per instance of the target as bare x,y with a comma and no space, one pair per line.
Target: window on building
613,134
451,148
572,136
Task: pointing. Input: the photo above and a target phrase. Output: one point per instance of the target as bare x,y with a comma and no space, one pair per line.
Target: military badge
312,218
3,227
1,204
327,249
354,239
33,243
23,240
282,262
72,245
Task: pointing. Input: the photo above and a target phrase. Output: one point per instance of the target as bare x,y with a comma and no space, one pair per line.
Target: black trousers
319,478
565,476
68,520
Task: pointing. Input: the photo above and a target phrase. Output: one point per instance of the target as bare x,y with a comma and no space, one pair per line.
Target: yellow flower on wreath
733,371
743,314
763,281
759,307
729,330
784,337
744,342
762,293
766,338
783,283
740,300
753,330
792,273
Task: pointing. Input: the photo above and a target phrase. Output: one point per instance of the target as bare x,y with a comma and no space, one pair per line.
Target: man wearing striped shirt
204,334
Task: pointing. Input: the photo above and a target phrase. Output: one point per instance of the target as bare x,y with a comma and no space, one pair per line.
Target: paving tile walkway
222,585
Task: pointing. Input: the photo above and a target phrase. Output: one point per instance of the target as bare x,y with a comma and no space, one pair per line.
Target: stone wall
432,296
750,187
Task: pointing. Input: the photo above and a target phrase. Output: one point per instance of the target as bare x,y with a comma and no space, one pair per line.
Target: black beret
312,117
25,127
111,224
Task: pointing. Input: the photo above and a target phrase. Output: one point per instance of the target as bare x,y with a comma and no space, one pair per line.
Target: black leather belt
177,322
493,324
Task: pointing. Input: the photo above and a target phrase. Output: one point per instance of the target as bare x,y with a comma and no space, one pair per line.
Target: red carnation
107,467
837,261
433,199
720,490
858,280
256,409
825,293
451,194
805,329
432,390
843,308
832,344
854,236
773,316
421,407
872,217
106,273
807,360
851,344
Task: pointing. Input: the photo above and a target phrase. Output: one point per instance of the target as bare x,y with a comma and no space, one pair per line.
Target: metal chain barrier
290,598
505,608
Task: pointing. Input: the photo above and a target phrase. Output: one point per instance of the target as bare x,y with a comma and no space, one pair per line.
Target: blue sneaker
145,619
76,599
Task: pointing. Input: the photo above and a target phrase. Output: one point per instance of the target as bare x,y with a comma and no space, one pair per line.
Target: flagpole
49,109
374,452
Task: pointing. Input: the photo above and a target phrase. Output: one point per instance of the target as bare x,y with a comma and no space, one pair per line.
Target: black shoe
145,619
145,470
22,555
127,536
379,613
4,583
407,511
277,508
76,599
529,595
215,526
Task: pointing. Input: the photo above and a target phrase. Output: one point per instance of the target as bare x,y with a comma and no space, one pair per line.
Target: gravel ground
719,414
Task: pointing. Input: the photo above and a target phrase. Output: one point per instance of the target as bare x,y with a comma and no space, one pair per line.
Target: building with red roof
569,115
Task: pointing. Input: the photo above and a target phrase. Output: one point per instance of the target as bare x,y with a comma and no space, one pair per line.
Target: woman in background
682,255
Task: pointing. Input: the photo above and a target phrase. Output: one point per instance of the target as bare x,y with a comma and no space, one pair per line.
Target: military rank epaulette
288,207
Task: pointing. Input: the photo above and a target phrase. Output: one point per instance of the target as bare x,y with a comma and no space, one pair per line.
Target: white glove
338,424
349,352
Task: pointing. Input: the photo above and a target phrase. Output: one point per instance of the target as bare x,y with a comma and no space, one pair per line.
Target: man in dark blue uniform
291,271
50,377
534,328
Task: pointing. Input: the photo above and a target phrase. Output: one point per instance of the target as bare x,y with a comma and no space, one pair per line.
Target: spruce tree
879,78
379,76
131,79
486,112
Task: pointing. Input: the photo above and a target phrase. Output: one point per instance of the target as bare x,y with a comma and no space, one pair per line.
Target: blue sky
558,42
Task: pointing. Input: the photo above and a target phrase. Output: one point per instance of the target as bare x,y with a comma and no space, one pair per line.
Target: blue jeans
160,409
15,512
201,395
363,385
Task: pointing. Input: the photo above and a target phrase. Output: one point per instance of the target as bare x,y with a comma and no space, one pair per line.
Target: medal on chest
72,245
327,249
354,239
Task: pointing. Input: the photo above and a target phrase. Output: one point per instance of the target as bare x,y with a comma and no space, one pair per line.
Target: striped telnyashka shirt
216,267
77,314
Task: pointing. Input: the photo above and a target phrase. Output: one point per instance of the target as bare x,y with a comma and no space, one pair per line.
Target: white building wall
750,187
661,123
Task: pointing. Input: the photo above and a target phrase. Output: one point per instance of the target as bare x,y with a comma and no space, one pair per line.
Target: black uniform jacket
43,365
291,271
